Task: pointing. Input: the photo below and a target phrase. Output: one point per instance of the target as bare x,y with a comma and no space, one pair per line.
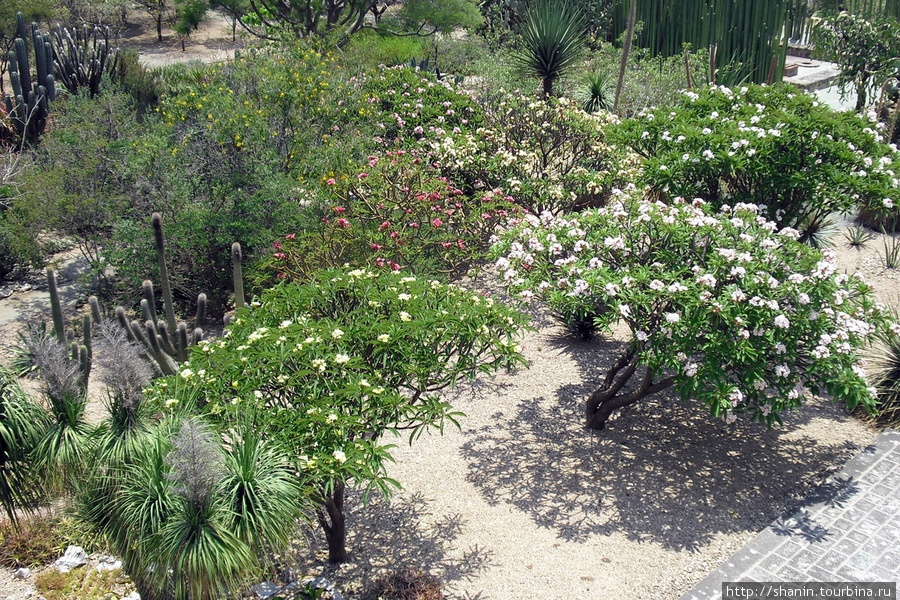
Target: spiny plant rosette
326,368
726,307
767,145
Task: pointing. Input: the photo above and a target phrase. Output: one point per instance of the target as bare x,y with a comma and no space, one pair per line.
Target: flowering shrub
327,368
410,107
726,307
399,211
549,155
766,145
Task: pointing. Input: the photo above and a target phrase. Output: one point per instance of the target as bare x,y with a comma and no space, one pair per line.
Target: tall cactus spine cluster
76,60
164,341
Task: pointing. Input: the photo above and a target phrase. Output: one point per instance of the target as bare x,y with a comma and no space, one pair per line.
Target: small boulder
22,573
74,557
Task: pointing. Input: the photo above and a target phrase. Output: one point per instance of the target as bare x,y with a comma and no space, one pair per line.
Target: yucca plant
597,93
22,424
887,381
67,442
553,37
858,236
261,491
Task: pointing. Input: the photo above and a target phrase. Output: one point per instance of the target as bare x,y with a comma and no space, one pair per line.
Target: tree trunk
334,523
606,399
159,19
626,50
548,88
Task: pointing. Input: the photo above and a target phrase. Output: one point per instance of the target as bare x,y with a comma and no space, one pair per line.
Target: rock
132,596
264,589
108,563
25,287
75,556
22,573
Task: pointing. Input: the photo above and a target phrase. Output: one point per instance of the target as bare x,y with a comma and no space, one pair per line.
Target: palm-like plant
260,490
553,39
22,424
598,93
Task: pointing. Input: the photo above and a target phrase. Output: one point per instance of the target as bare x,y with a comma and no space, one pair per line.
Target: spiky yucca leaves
22,424
553,39
261,491
886,378
198,514
67,442
598,93
126,373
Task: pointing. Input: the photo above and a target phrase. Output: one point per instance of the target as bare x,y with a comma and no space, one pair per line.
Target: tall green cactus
164,342
78,62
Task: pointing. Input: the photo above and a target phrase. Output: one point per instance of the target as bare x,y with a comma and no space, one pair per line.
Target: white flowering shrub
547,154
771,146
726,307
327,368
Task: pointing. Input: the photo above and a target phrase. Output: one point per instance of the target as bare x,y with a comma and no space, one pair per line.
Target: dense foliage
724,305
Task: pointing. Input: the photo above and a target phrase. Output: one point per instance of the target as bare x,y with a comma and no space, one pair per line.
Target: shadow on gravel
400,534
663,471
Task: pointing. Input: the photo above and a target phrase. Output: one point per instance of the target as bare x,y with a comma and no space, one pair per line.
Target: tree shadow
396,534
662,472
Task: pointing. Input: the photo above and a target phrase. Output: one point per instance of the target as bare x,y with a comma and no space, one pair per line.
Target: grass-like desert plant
553,39
858,236
598,92
22,424
406,585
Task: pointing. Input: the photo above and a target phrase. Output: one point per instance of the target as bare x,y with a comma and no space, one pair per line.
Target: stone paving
847,530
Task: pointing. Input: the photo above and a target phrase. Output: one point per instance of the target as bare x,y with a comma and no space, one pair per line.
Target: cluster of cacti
29,104
83,352
78,62
163,341
82,60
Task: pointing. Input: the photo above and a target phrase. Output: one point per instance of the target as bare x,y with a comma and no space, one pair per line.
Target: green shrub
398,211
368,49
770,146
547,155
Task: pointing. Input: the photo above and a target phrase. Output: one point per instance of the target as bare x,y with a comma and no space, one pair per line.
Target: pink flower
413,224
384,226
343,223
281,276
395,235
280,255
290,236
446,244
338,209
331,181
436,222
376,246
362,175
277,245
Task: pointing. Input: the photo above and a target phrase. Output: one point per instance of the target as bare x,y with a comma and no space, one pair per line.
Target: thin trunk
626,50
548,88
334,522
159,19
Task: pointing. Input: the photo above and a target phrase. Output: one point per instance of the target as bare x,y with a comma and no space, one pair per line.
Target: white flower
186,374
625,310
735,396
888,203
690,369
339,456
780,348
782,371
673,317
341,359
782,322
337,334
642,336
612,289
319,364
706,131
403,296
657,285
616,243
384,338
404,316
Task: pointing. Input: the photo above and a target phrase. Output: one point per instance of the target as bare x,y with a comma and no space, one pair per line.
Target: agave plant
553,39
22,424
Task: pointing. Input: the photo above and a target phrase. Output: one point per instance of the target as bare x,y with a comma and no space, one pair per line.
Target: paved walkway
847,530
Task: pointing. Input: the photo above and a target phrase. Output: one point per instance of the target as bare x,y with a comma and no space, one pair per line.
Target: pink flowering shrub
410,107
726,307
398,212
